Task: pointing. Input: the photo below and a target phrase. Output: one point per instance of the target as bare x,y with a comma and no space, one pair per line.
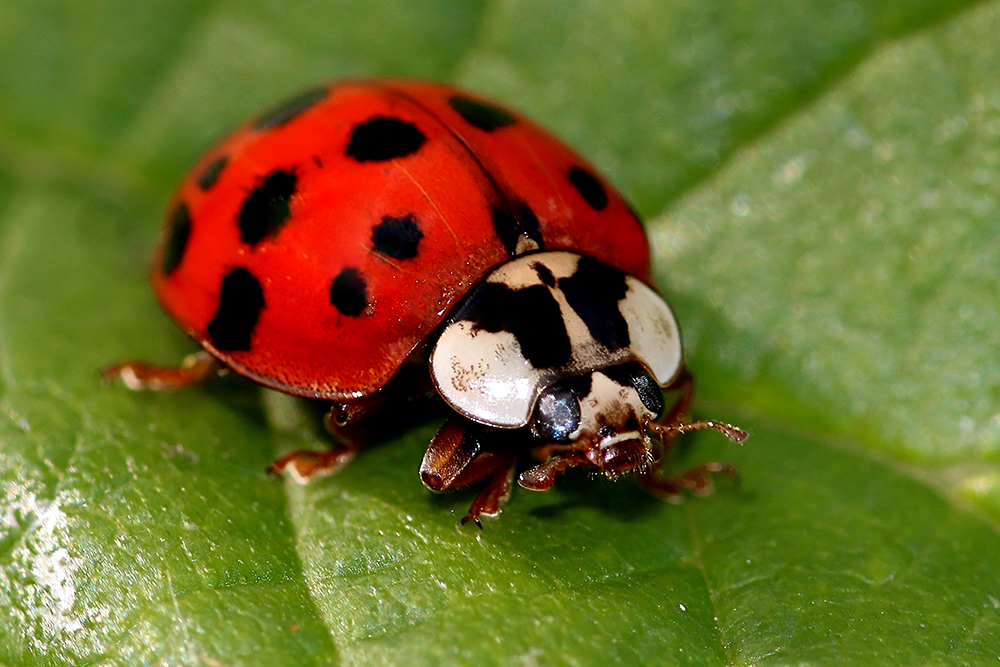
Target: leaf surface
820,186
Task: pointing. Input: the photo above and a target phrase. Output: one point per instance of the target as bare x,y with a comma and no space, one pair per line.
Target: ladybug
372,242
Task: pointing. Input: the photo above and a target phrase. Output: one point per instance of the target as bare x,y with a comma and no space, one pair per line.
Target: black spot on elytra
290,108
529,224
480,114
510,228
633,374
240,302
177,239
589,187
211,173
507,229
594,291
266,208
532,314
397,237
349,292
383,138
544,274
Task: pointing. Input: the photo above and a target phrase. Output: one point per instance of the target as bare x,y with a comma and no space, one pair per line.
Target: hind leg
137,375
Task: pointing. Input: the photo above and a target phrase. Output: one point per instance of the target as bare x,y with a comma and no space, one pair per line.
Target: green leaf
820,183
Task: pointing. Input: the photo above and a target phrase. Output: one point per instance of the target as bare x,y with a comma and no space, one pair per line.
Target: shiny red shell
317,247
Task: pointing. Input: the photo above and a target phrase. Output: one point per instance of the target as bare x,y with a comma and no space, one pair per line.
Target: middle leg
350,424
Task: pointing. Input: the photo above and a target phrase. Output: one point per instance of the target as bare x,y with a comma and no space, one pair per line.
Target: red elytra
314,256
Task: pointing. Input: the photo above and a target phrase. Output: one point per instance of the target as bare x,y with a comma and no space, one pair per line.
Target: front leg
543,475
697,480
456,459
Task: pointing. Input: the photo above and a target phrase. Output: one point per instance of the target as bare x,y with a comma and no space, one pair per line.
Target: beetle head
603,415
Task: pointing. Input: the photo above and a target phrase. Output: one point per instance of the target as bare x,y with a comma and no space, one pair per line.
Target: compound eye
649,392
635,375
558,415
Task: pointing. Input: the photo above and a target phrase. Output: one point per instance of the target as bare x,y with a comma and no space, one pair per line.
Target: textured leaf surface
821,186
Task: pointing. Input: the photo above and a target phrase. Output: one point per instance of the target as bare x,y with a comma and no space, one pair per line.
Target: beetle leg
304,464
543,475
137,375
545,452
679,412
341,422
455,459
450,452
498,467
347,413
349,422
697,480
408,386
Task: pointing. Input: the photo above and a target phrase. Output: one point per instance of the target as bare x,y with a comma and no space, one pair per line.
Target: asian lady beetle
362,233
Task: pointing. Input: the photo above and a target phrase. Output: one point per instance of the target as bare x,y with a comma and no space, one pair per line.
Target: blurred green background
820,184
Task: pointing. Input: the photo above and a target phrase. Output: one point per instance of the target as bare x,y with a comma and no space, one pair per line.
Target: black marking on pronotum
176,243
544,274
291,108
211,173
349,292
397,237
531,314
633,374
510,228
486,117
589,187
266,208
579,385
383,138
240,301
594,291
